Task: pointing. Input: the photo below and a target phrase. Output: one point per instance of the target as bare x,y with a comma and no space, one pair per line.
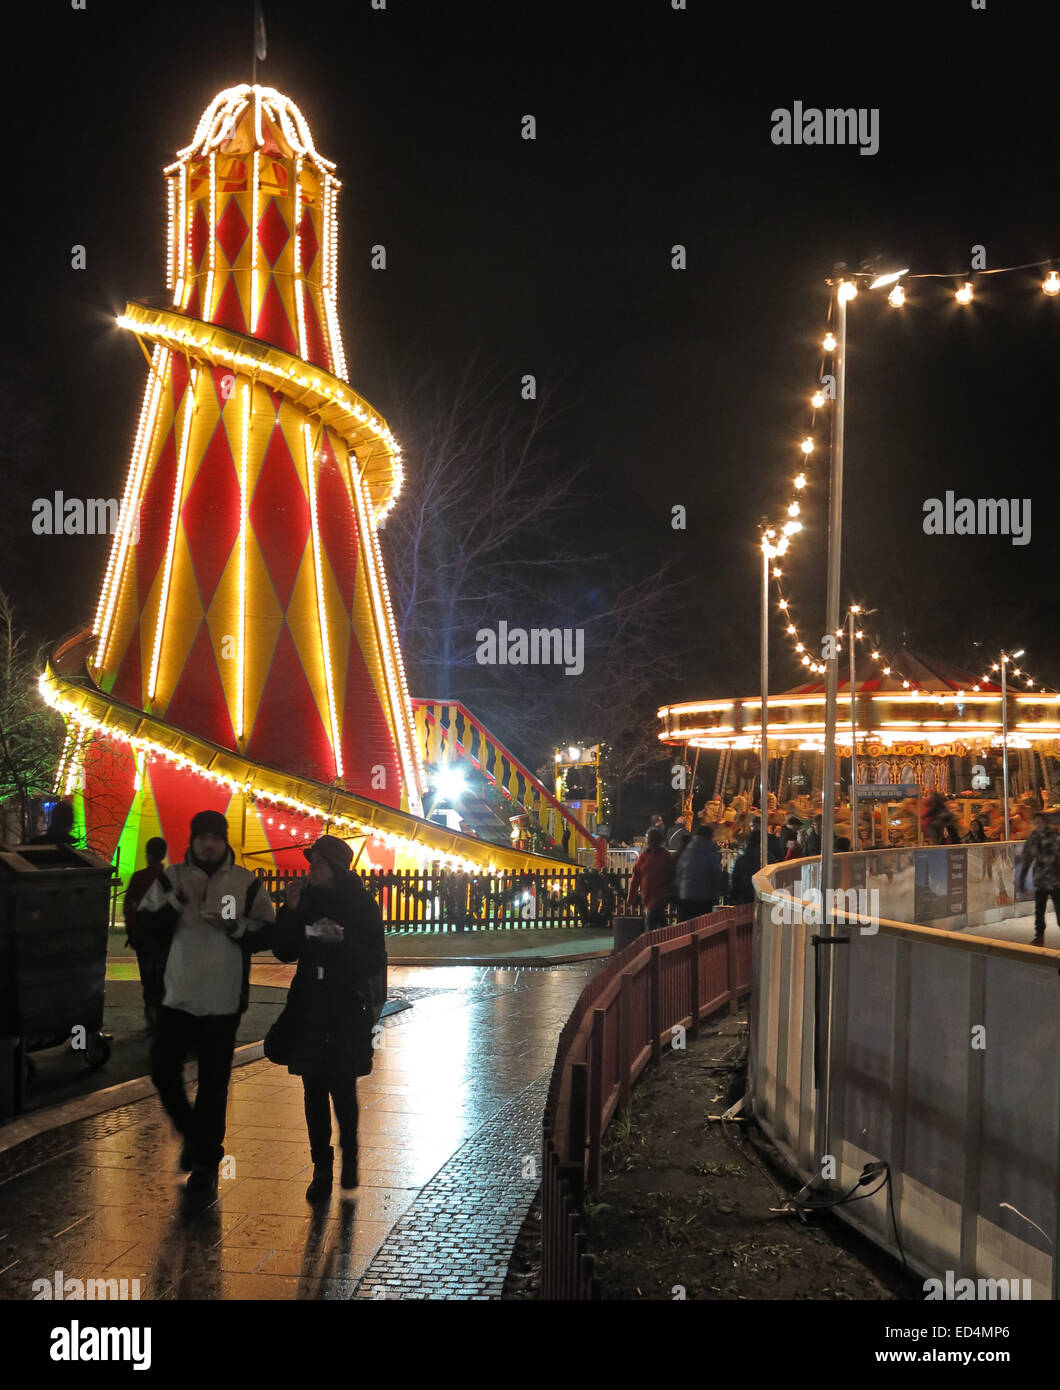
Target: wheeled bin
54,914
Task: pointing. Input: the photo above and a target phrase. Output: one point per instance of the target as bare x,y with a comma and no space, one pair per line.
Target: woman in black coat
334,930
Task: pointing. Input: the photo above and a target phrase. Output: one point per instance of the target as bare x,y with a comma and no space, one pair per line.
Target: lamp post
844,292
772,546
855,609
854,829
763,820
1005,659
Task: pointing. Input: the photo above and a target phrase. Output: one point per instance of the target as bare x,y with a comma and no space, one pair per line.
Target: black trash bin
54,915
626,929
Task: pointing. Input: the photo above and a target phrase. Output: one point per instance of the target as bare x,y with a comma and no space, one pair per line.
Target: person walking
748,863
334,930
204,918
1042,849
700,876
152,967
651,876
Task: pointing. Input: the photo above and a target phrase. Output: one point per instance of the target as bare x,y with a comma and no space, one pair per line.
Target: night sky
553,257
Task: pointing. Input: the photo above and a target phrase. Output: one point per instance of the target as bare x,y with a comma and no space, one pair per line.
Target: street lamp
845,291
1005,659
835,343
771,548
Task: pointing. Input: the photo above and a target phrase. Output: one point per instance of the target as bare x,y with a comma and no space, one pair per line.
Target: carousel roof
927,673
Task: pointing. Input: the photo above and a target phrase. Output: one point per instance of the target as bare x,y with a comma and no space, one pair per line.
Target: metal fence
940,1057
426,900
678,975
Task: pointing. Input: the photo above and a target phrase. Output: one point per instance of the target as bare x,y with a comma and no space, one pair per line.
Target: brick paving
456,1238
449,1116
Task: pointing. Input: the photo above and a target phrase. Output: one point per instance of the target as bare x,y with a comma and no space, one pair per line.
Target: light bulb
793,510
800,481
886,670
1051,283
817,400
829,343
791,629
782,546
776,573
859,635
896,298
806,661
807,445
783,603
964,294
905,685
799,647
847,291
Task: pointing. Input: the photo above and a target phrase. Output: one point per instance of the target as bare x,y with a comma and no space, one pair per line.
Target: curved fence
907,1044
676,976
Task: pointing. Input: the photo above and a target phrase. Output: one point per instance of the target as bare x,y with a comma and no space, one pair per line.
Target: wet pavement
449,1153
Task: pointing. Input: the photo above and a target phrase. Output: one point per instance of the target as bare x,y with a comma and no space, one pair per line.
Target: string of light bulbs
776,540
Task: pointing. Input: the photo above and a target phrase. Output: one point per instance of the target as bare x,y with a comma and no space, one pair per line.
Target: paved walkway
449,1139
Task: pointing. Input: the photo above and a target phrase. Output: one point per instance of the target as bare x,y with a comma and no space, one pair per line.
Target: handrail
556,809
675,976
937,936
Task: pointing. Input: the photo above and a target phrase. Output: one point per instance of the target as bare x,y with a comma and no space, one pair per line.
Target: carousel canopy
913,704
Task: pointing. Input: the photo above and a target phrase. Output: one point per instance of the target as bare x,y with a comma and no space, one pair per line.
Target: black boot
349,1167
323,1172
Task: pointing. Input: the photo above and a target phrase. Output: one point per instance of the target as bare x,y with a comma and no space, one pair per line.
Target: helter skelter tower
245,603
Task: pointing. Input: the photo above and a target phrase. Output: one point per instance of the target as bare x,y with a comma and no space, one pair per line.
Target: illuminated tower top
245,600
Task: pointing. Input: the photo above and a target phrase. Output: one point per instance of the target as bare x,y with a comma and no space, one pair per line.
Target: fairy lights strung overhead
1019,672
846,290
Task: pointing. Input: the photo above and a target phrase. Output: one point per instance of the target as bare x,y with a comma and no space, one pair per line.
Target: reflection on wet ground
449,1144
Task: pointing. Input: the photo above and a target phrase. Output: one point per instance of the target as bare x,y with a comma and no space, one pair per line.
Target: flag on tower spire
260,48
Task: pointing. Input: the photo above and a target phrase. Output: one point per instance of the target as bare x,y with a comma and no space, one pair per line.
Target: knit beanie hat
209,823
334,851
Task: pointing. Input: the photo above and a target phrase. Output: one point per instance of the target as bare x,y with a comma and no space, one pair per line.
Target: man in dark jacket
1042,849
700,876
152,967
748,863
333,928
205,917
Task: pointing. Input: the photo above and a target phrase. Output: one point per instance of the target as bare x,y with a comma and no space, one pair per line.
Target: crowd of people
711,857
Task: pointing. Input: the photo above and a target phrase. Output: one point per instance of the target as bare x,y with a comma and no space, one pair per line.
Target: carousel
923,726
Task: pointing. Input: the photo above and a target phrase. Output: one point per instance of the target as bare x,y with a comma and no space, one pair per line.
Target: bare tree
481,520
31,734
